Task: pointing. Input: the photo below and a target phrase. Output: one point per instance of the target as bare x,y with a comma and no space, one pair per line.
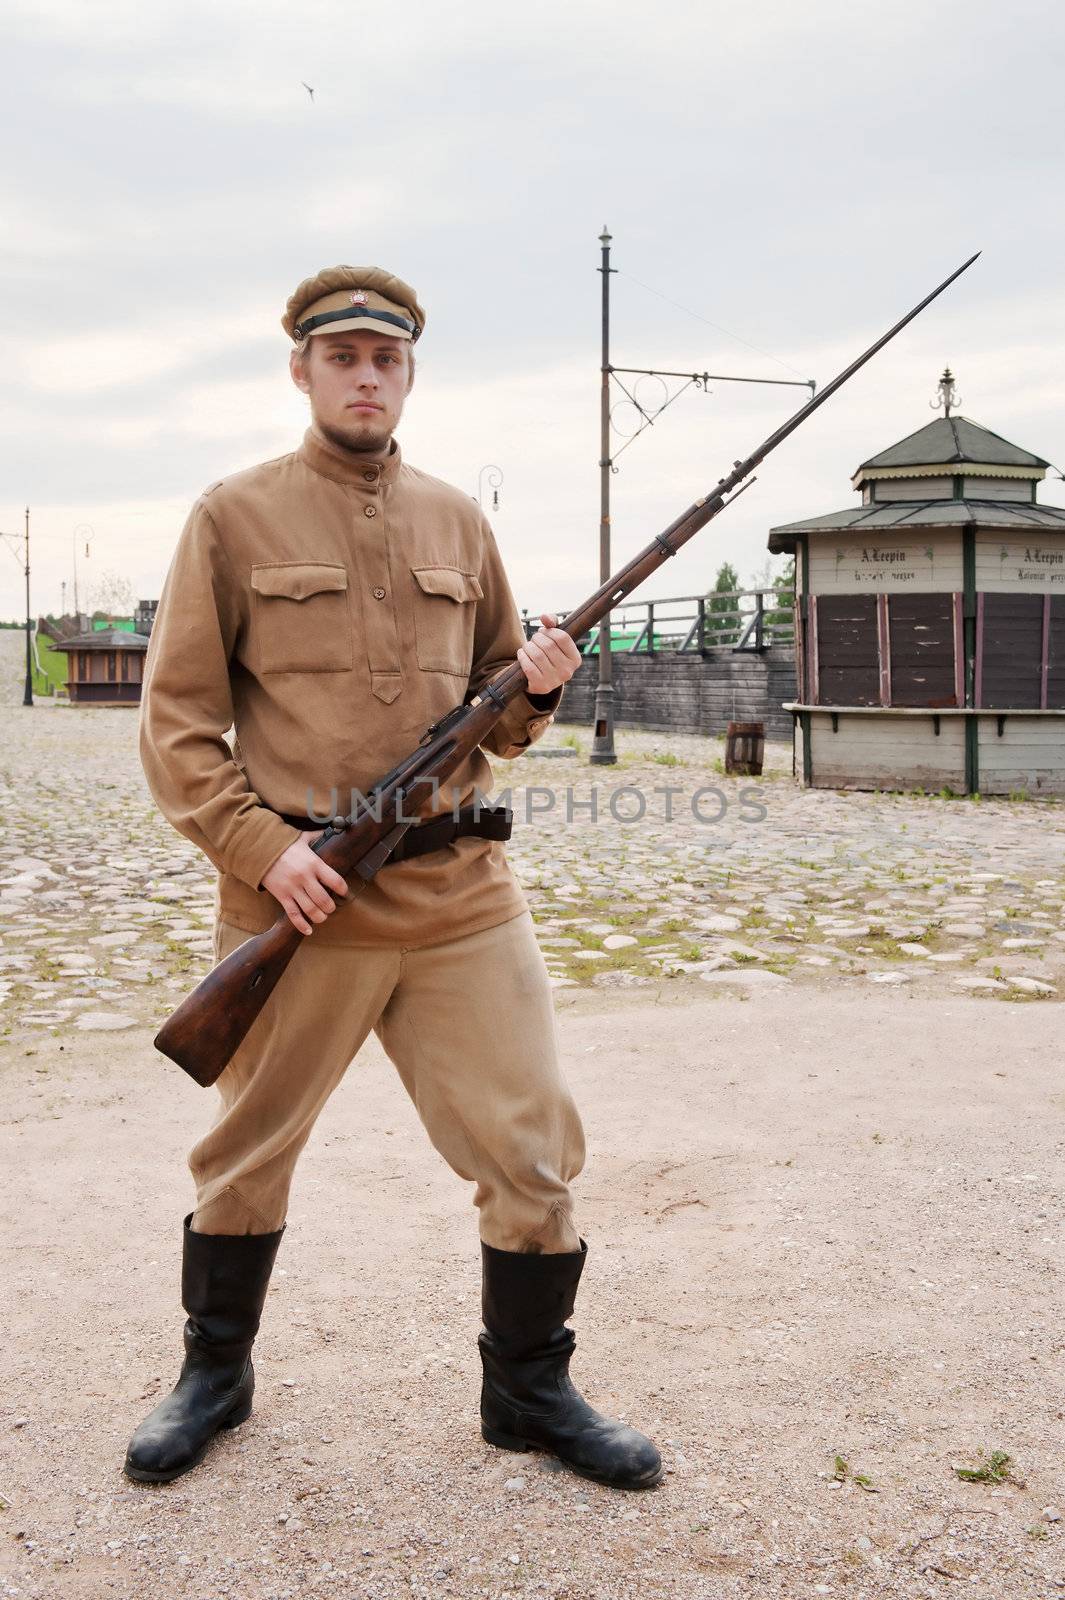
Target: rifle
208,1026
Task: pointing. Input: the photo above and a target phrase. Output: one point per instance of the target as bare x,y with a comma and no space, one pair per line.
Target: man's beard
367,439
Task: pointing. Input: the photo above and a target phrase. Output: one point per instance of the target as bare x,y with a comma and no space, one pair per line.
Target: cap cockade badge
358,298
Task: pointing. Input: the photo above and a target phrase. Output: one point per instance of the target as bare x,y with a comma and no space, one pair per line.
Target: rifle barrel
667,543
841,377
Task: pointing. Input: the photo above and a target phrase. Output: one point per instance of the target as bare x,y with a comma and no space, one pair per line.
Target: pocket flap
295,580
451,581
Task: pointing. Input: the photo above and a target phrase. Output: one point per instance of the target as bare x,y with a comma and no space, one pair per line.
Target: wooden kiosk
105,668
930,621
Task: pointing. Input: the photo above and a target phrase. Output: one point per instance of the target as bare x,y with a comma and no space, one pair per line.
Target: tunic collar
347,466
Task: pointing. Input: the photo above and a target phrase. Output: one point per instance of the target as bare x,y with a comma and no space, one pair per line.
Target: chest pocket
444,616
301,618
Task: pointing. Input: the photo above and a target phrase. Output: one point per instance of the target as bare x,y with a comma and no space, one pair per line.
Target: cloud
794,174
117,356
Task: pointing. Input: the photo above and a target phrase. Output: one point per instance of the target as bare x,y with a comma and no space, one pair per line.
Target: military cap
353,299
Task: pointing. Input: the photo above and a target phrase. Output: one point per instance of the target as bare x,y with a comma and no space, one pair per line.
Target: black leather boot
224,1278
528,1401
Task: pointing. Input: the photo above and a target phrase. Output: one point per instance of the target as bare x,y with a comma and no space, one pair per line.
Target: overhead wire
715,325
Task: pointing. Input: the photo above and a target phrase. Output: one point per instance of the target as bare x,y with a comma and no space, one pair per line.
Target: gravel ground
823,1201
799,1251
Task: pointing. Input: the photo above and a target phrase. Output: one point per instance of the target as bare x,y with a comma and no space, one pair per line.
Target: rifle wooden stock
204,1032
207,1028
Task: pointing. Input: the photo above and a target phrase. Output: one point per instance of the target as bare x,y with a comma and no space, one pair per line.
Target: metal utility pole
27,696
12,541
603,752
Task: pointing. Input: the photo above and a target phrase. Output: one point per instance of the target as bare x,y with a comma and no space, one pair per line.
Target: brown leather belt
471,822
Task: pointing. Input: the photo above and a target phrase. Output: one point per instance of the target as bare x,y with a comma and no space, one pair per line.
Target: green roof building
930,629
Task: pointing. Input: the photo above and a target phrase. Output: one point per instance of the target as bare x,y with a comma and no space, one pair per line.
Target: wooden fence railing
742,619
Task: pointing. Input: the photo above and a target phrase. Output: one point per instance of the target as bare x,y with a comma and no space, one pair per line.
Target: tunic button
371,477
378,594
371,511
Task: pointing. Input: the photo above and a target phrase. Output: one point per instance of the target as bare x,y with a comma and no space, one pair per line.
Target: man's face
357,383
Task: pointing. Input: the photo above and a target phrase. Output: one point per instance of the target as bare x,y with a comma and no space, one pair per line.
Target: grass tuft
994,1469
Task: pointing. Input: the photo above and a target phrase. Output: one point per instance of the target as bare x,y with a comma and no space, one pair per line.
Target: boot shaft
526,1299
224,1279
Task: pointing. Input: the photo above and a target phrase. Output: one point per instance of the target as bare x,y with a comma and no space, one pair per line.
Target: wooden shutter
848,653
1009,651
921,632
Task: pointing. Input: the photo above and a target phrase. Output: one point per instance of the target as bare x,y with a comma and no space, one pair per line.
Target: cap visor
366,324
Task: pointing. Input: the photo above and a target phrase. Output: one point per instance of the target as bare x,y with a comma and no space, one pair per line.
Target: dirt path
820,1225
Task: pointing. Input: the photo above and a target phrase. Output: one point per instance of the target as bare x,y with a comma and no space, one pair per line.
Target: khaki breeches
469,1026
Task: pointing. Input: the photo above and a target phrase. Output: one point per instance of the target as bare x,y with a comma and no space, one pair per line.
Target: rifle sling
477,822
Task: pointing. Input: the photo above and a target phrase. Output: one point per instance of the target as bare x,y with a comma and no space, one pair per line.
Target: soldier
328,606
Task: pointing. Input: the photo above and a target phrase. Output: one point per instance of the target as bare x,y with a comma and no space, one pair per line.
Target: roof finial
946,397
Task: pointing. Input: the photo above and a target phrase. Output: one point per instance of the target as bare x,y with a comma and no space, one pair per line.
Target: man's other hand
301,881
550,658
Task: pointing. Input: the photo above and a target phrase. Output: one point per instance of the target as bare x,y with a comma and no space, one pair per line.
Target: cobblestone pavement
105,912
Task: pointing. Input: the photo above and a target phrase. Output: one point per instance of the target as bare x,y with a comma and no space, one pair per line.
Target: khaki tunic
328,610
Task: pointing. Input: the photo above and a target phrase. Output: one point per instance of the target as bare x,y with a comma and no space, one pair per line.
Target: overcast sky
793,176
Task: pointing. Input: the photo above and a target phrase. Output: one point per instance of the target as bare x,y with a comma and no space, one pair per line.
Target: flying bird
308,88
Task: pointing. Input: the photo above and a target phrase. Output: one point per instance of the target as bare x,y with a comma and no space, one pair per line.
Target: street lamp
82,528
495,483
